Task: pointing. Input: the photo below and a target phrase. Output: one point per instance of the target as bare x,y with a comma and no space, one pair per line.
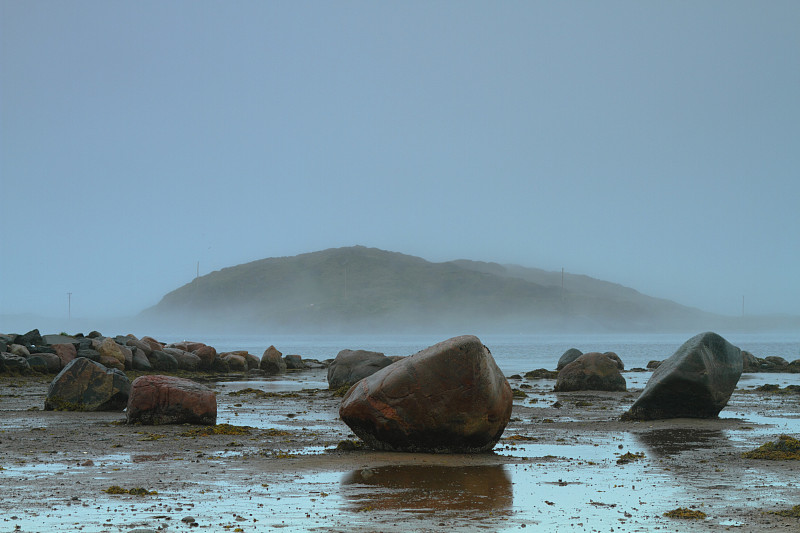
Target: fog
654,145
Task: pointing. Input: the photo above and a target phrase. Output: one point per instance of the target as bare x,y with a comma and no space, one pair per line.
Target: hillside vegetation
360,289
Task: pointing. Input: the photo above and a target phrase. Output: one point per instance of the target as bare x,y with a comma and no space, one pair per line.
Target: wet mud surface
565,463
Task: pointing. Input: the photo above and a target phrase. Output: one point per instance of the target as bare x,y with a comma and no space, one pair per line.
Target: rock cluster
33,352
351,366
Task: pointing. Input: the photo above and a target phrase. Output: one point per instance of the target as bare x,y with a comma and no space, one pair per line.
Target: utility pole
69,306
197,275
743,306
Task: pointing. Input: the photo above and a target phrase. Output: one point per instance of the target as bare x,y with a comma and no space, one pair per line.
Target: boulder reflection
672,441
429,488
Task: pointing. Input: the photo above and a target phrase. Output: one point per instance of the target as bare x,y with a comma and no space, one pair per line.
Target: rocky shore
278,456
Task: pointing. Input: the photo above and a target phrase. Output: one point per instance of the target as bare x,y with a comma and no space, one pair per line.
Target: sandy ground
556,469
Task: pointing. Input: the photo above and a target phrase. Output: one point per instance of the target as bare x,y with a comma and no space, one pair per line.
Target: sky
652,144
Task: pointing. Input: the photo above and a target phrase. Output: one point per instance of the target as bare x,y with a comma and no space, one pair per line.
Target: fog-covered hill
358,289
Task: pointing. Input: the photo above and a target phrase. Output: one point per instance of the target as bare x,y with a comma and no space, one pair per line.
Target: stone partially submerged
85,385
696,382
171,400
449,398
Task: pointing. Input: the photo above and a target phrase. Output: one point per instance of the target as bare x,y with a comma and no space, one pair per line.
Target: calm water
513,353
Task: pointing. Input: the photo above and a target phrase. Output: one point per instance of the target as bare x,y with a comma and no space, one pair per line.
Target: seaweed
794,512
685,514
138,491
785,449
218,429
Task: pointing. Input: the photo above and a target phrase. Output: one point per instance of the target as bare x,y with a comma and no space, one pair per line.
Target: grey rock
85,385
695,382
568,357
351,366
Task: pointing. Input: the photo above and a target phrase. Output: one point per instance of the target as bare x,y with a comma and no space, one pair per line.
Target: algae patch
685,514
138,491
218,429
785,449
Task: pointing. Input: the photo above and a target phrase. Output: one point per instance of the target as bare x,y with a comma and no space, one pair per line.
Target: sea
514,354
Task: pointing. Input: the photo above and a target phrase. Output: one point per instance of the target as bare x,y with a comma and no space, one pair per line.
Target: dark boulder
85,385
449,398
15,363
750,362
272,362
652,365
170,400
591,371
162,361
773,363
568,357
294,362
695,382
140,360
32,338
351,366
89,353
52,363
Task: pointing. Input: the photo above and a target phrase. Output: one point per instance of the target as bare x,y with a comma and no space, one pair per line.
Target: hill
360,289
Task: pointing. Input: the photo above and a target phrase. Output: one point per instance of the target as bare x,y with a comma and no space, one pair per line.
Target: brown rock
65,352
107,347
207,354
236,362
590,371
450,397
171,400
272,361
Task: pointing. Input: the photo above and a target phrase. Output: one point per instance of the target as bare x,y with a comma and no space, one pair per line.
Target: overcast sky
653,144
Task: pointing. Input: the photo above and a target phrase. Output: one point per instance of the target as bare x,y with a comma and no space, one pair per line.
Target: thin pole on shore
743,306
197,275
69,306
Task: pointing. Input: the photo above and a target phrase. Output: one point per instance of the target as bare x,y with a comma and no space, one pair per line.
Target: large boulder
695,382
568,357
351,366
449,398
170,400
85,385
591,371
614,357
272,362
236,362
294,362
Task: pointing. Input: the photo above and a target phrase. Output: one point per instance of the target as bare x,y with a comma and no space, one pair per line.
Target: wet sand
560,467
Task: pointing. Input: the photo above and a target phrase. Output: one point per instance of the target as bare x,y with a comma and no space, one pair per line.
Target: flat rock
86,385
695,382
171,400
449,398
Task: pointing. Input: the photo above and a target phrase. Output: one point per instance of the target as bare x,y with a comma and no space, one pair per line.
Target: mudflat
280,457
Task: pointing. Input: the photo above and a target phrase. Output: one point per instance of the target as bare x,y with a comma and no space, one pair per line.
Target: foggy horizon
653,146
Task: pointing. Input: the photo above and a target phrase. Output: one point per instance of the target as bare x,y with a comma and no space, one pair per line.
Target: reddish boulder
171,400
207,354
153,344
591,371
272,361
449,398
65,352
